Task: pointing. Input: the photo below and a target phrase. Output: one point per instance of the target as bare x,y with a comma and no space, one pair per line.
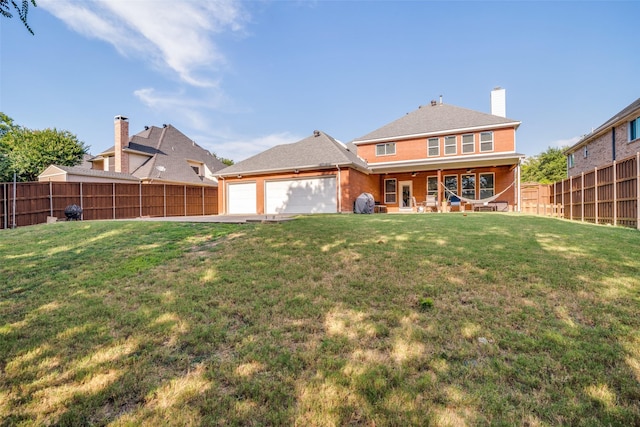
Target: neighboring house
471,153
616,139
315,175
155,155
84,174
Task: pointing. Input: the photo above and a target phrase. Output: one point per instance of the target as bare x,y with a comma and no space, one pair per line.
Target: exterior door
406,192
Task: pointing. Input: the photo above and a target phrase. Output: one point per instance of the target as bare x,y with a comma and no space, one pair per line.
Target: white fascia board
443,132
477,160
290,169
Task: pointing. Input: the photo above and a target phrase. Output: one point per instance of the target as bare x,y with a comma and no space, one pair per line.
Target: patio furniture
431,203
419,207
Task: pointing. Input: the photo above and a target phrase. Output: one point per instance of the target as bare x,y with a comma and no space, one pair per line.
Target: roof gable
169,152
627,113
319,150
434,119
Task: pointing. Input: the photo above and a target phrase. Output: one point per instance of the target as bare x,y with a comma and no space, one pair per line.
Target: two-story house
439,151
155,155
615,139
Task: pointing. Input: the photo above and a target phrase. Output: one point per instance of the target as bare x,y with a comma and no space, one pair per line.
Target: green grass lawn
432,319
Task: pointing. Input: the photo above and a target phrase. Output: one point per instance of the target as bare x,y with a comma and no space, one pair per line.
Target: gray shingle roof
169,149
82,171
433,119
314,152
621,115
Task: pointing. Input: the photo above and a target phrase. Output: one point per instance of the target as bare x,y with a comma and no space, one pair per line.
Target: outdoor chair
431,203
455,205
418,207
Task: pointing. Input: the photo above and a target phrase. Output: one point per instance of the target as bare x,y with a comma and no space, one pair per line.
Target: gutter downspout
339,189
613,144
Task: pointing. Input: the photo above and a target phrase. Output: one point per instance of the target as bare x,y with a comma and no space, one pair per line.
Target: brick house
159,155
437,152
615,139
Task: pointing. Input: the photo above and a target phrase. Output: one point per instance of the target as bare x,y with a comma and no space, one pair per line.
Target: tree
29,152
5,10
227,162
546,168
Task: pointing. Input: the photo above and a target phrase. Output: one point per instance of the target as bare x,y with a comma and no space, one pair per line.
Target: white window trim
635,122
486,142
386,145
475,185
437,147
455,145
472,143
479,188
395,193
457,189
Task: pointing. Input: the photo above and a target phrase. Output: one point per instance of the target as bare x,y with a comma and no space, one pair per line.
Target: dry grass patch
327,320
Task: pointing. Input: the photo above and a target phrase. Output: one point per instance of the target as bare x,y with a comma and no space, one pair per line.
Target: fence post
638,190
81,202
140,198
202,201
184,195
5,208
13,203
615,195
113,198
164,198
595,178
582,196
50,199
571,197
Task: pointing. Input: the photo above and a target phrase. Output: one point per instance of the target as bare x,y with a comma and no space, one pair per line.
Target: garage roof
318,151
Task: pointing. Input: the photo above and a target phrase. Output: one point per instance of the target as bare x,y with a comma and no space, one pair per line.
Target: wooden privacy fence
34,202
605,195
536,199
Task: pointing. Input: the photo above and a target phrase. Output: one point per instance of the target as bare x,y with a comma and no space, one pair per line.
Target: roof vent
146,128
434,103
164,125
316,133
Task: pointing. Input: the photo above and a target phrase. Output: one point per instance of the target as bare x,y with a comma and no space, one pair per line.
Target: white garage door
242,198
311,195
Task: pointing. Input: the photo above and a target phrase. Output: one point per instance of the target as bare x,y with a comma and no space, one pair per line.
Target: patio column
440,191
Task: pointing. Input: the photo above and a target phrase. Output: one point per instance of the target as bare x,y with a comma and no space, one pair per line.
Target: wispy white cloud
239,147
175,34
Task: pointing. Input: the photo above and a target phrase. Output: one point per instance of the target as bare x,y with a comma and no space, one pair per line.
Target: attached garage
306,195
241,198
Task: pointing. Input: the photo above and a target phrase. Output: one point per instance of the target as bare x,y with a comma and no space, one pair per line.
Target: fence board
35,201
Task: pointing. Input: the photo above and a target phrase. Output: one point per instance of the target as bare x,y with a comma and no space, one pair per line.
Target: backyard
425,319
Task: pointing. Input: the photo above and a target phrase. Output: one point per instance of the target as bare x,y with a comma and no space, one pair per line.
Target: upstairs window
386,149
450,145
570,161
634,129
486,141
468,144
585,151
433,147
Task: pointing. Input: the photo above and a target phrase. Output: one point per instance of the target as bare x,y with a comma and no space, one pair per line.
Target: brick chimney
121,128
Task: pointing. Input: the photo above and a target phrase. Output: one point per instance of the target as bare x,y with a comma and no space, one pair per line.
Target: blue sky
241,76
